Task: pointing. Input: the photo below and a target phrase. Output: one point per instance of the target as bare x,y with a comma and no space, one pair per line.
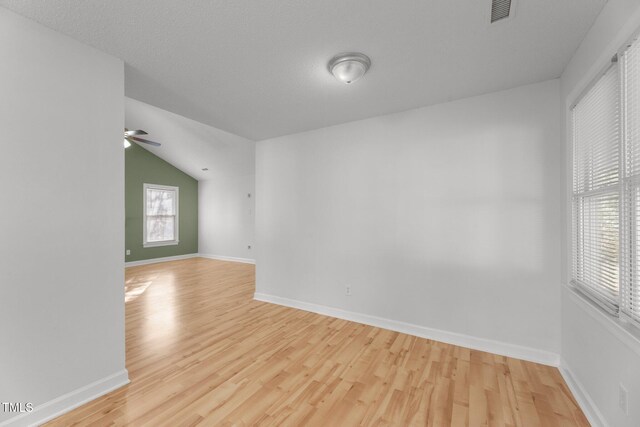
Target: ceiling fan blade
134,132
145,141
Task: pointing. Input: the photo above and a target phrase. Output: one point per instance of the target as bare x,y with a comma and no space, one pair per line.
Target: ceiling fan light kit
129,138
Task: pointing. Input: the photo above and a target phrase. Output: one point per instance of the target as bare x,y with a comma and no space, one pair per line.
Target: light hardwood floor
201,351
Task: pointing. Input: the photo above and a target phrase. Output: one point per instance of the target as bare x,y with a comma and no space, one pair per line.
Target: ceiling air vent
500,9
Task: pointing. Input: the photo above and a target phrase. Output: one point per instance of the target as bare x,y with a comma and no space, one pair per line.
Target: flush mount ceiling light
349,67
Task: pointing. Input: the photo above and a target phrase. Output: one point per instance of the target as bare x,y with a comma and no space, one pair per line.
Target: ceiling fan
130,136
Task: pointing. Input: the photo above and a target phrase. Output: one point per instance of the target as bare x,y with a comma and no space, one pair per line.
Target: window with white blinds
630,248
160,224
606,187
596,191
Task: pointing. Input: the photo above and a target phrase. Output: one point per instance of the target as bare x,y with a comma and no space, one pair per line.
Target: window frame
608,306
624,326
176,235
628,220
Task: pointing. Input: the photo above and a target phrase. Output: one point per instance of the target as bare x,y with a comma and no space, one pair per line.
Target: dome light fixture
349,67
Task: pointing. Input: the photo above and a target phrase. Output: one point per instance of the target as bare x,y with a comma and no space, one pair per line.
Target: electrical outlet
128,251
623,400
347,290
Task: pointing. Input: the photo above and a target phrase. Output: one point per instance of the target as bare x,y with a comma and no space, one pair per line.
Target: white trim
158,244
595,417
65,403
176,224
626,332
229,258
505,349
157,260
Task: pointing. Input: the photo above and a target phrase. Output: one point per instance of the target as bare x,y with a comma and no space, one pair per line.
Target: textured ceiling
258,68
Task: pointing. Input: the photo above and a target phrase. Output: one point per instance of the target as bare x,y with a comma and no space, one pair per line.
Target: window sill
156,244
625,331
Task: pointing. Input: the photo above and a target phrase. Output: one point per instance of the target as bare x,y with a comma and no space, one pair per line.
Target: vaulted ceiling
259,68
189,145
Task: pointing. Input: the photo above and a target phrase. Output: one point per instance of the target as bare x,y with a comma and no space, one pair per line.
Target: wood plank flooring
201,351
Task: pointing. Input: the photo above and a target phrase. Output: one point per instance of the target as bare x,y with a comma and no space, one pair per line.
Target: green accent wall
141,166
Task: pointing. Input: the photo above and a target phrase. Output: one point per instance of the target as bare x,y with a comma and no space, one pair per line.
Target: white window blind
596,191
630,249
161,215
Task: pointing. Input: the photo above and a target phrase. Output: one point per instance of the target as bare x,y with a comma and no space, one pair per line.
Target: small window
160,220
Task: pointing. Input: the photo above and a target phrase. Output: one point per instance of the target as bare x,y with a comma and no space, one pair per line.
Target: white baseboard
157,260
582,397
65,403
228,258
491,346
187,256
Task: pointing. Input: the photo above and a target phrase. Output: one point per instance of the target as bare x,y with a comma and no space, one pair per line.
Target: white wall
446,217
226,217
61,218
598,354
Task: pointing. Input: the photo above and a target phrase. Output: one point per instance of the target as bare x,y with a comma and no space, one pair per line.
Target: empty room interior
320,213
